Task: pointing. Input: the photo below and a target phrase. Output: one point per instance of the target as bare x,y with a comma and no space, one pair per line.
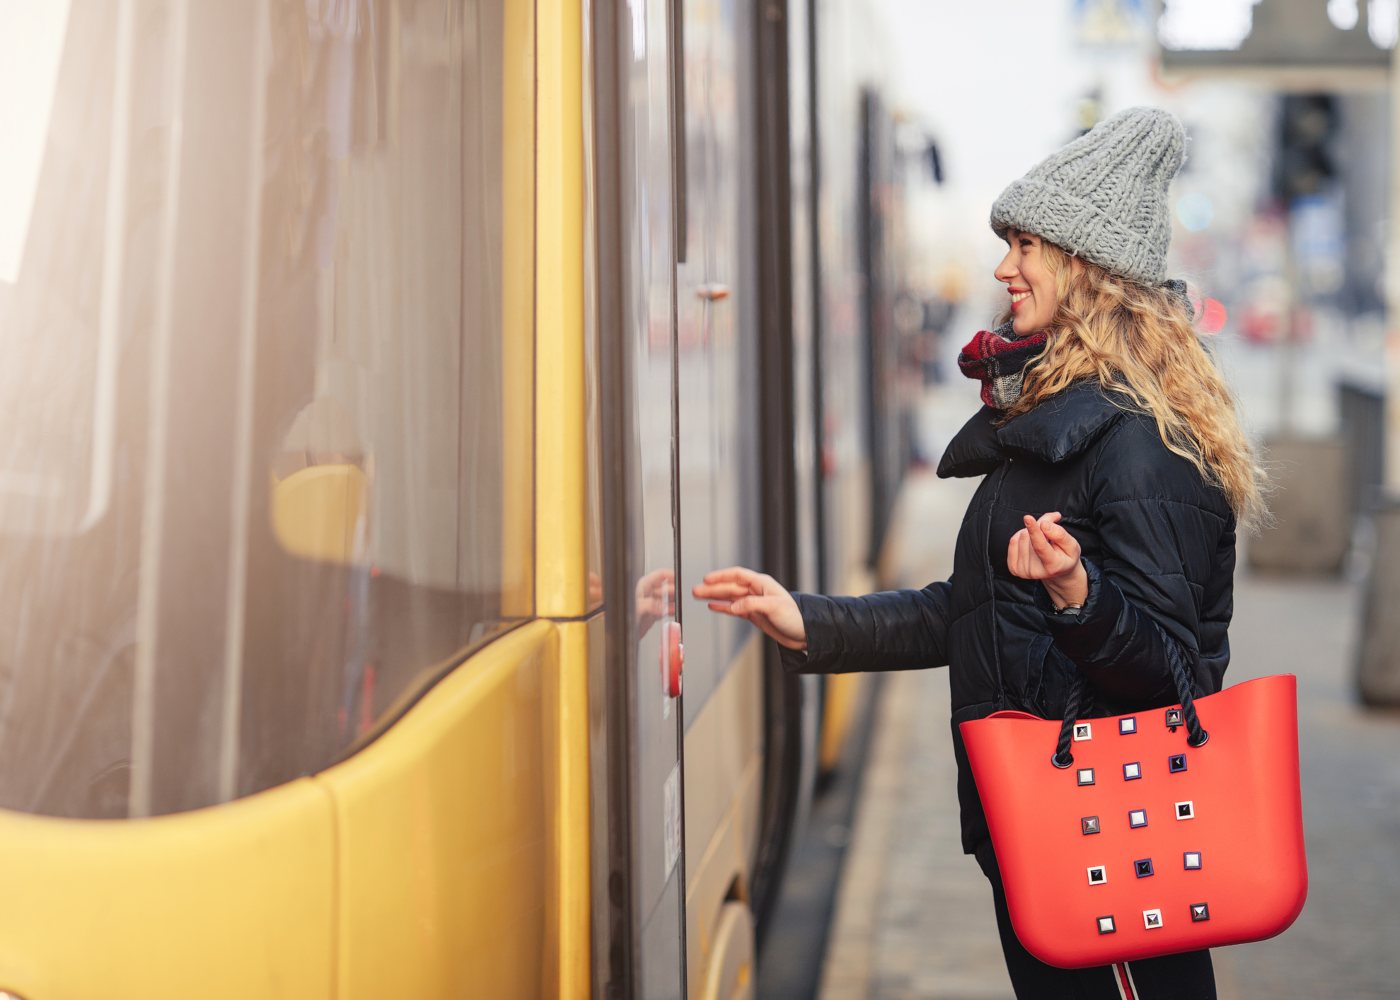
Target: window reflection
316,489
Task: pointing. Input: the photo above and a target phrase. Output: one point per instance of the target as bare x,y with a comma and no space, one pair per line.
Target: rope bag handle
1196,736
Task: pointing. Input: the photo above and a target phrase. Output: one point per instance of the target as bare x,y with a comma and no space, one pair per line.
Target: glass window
318,493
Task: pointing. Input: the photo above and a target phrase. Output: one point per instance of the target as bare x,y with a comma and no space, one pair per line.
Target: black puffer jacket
1159,548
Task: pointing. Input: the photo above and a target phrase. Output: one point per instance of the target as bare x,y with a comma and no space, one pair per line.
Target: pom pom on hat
1103,197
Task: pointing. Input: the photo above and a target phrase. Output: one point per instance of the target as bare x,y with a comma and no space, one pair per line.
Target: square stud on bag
1132,771
1173,718
1098,875
1137,818
1200,912
1083,731
1176,763
1191,861
1106,925
1186,810
1143,868
1127,725
1152,919
1085,776
1088,825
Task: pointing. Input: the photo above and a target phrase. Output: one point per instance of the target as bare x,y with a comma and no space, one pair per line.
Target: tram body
380,376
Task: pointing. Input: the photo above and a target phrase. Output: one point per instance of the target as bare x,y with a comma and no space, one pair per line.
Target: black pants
1176,977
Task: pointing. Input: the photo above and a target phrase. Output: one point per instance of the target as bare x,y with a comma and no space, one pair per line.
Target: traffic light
1303,163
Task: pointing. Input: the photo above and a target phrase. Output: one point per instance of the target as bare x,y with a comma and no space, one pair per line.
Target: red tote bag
1164,831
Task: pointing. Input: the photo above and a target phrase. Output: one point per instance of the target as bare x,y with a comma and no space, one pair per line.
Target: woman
1101,541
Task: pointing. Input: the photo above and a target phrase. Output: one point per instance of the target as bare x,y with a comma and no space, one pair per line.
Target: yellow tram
378,374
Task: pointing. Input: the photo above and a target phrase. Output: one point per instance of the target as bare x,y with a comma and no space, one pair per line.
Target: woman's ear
1076,266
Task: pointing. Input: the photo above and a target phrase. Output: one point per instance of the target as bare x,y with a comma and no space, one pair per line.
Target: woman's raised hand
758,598
1043,550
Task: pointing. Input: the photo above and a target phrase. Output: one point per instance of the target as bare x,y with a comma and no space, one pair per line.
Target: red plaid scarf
999,358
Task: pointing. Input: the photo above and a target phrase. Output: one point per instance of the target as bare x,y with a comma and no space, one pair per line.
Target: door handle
672,659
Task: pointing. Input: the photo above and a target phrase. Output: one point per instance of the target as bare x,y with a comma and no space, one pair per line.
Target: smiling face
1030,282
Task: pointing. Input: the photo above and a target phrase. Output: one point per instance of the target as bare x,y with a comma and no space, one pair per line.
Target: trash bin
1311,532
1378,651
1361,413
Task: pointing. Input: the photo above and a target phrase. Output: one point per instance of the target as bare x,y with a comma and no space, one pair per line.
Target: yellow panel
517,310
449,830
723,786
229,902
571,900
560,433
315,511
842,697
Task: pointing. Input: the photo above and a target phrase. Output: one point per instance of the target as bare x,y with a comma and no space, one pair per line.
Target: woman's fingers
735,574
728,584
1046,552
1018,556
720,591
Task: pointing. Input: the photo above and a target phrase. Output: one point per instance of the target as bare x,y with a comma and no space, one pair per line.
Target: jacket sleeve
893,630
1143,608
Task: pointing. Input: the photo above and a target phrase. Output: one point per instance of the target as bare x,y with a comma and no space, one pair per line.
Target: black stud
1186,810
1143,867
1199,912
1173,718
1176,763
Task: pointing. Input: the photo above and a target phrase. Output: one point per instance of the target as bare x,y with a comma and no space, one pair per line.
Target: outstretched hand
1043,550
757,598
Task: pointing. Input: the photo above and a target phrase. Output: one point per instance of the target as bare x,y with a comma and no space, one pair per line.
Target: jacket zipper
992,582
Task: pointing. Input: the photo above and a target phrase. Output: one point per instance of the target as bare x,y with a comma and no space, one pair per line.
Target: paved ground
914,916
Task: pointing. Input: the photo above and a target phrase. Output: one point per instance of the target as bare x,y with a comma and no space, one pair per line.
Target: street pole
1392,294
1377,669
1288,347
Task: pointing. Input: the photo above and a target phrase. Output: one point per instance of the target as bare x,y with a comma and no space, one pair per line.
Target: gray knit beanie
1103,197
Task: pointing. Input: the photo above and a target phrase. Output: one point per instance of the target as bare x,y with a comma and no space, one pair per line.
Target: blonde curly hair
1141,342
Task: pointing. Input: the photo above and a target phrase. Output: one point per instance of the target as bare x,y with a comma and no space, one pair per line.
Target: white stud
1152,919
1083,731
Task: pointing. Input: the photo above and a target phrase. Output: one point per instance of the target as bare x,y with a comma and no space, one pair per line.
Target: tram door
638,265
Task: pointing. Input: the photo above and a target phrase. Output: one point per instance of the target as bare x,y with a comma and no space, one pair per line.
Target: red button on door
672,659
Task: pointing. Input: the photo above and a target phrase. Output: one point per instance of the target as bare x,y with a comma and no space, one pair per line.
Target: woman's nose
1005,270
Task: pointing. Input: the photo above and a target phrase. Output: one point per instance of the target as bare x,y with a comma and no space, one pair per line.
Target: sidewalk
914,916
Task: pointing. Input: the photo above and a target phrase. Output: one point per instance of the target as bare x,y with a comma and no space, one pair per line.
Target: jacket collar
1059,428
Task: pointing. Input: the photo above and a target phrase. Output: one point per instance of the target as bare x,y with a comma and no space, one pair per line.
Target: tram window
408,505
56,324
319,490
